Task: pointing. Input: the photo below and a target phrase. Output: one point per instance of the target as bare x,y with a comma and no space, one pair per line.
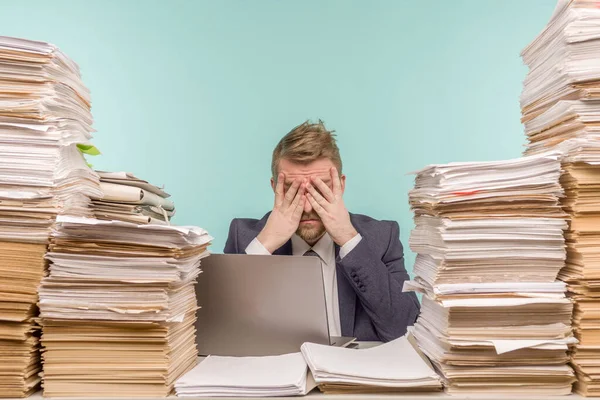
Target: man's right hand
286,214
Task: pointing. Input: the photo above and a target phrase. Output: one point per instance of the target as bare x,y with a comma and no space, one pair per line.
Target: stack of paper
285,375
489,222
561,93
118,307
582,270
45,124
561,110
130,199
392,367
562,60
489,238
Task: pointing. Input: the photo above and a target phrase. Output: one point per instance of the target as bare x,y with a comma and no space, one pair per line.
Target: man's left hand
329,204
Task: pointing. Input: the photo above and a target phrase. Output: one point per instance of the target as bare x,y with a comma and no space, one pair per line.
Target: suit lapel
346,298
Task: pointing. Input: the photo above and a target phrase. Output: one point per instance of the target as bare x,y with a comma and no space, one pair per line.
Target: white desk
316,395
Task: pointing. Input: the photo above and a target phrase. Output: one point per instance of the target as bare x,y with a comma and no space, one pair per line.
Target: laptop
253,305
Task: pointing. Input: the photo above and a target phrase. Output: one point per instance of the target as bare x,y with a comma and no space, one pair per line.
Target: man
362,258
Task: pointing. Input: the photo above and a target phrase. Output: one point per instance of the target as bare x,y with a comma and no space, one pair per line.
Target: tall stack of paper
118,307
284,375
392,367
130,199
44,117
489,238
561,110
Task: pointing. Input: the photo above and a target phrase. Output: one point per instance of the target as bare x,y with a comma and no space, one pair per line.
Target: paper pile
561,110
130,199
285,375
560,101
489,238
45,124
118,307
392,367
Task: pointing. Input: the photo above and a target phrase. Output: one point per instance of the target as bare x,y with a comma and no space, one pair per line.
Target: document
391,367
285,375
44,115
561,112
490,243
118,307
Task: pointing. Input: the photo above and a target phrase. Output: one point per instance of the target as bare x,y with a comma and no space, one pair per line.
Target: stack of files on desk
392,367
44,116
561,111
127,198
284,375
118,307
489,238
561,93
582,270
489,222
562,59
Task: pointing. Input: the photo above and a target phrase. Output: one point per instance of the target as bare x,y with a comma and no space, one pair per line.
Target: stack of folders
45,123
130,199
561,110
118,307
561,93
392,367
489,238
272,376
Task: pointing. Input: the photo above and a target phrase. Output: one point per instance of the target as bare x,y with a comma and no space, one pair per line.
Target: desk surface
316,395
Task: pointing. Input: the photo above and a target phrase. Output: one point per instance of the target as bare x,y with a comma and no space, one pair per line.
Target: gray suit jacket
370,277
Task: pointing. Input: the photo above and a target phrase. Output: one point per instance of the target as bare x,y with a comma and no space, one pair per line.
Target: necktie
311,253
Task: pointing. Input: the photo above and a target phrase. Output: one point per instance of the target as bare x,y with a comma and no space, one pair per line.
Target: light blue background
195,94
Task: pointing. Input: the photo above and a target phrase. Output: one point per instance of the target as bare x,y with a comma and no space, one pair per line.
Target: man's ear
343,182
273,184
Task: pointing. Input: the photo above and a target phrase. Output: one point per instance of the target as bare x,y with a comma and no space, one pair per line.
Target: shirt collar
322,247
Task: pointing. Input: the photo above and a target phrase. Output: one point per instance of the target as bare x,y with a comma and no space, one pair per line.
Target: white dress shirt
326,251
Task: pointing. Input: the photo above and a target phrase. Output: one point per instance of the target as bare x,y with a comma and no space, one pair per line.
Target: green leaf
89,149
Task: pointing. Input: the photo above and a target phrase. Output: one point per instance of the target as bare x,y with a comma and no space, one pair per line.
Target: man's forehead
319,168
324,174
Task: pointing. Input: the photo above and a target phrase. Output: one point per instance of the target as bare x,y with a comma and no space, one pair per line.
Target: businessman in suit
362,258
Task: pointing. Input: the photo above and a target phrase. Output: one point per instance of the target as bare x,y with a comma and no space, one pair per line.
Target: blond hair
306,143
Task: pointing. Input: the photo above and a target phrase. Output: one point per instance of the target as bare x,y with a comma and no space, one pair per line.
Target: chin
311,234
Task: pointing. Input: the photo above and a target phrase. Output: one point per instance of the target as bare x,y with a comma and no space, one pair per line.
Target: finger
315,205
317,196
327,193
279,190
337,183
299,208
296,201
291,193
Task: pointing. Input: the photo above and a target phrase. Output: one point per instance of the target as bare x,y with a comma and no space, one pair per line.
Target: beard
311,233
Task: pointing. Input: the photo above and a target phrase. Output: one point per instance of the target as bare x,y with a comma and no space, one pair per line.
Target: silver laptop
261,305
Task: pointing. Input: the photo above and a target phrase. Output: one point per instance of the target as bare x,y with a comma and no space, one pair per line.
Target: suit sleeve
378,283
231,246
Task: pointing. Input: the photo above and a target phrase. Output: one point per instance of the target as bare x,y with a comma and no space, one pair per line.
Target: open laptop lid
260,305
